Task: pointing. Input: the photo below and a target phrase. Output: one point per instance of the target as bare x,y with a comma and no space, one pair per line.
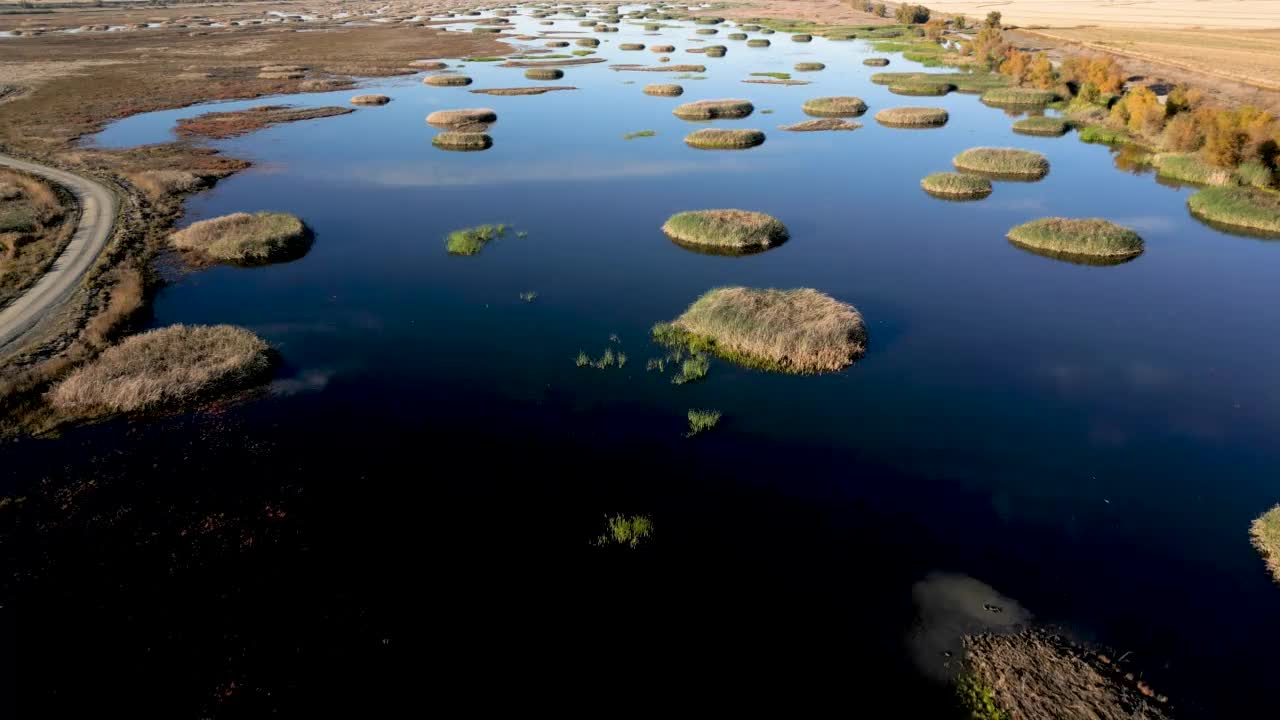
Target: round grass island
726,231
837,106
798,331
1003,163
544,73
663,90
446,80
956,186
1087,239
1018,97
724,139
165,367
1264,533
1042,126
462,141
1237,209
370,100
913,117
714,109
247,239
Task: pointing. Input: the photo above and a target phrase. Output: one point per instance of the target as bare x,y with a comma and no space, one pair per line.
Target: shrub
544,73
249,239
664,90
714,109
163,367
793,331
1182,134
447,80
1018,97
1092,237
908,14
1039,125
821,124
1264,534
370,100
1003,163
838,106
462,141
1255,174
1238,207
733,230
912,117
470,241
956,186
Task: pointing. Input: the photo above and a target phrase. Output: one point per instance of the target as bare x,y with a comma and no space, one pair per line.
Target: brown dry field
1142,14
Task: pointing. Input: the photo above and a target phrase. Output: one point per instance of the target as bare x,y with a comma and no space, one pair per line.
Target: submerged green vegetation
791,331
626,530
1264,534
244,238
724,139
1003,163
701,421
731,230
1091,237
639,134
956,186
1238,207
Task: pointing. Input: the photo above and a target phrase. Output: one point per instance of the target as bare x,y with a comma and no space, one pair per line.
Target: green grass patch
921,88
1043,126
776,75
1188,168
956,186
1003,163
1091,237
978,700
626,530
446,80
544,73
792,331
701,421
470,241
583,53
482,59
965,82
1015,97
639,134
1244,208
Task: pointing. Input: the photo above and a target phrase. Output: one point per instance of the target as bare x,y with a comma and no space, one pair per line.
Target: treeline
1244,139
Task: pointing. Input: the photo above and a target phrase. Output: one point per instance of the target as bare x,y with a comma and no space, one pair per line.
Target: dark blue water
1091,441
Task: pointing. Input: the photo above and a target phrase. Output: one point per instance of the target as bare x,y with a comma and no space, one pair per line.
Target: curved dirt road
97,216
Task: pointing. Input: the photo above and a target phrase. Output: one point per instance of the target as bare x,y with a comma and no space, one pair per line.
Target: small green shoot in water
529,296
701,421
692,369
628,530
775,75
639,134
583,360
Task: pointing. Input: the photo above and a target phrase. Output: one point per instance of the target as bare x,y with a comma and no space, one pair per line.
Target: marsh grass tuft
846,106
626,530
1238,208
639,134
809,67
1189,168
163,367
821,124
462,141
528,296
793,331
447,80
956,186
1018,97
1043,126
1003,163
370,100
714,109
245,238
758,43
921,88
1091,237
1264,535
738,231
631,46
692,369
473,119
876,62
544,73
701,421
664,90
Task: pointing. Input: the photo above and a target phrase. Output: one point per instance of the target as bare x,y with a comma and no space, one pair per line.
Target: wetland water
416,494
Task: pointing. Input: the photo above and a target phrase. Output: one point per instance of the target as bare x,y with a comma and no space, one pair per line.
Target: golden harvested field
1146,14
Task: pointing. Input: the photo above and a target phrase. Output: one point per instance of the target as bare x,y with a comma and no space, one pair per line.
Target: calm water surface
415,496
